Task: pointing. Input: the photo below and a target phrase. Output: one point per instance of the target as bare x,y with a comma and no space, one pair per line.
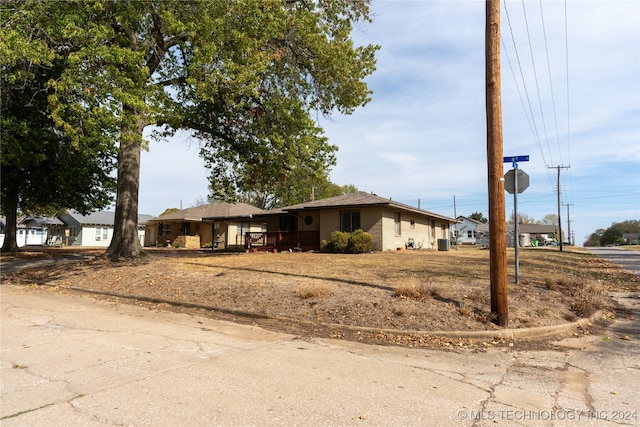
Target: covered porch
282,241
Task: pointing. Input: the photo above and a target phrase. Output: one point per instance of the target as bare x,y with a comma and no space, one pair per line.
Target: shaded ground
407,292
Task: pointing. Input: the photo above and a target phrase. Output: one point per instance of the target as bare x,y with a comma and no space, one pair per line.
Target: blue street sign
516,159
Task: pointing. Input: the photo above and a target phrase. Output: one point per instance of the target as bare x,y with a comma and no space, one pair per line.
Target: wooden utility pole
497,220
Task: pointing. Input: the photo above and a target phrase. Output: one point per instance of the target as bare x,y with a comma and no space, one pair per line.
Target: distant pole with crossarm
559,221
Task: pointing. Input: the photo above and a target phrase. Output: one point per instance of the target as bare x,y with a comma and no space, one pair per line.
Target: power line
566,52
535,77
553,102
529,111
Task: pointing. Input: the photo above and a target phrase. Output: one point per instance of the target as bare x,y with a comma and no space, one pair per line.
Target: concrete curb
537,332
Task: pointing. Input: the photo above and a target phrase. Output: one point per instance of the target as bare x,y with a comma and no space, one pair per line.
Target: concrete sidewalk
74,360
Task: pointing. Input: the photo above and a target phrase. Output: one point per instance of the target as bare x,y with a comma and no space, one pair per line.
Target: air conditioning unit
98,238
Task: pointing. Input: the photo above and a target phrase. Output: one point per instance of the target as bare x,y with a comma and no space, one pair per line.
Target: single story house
530,234
95,229
466,229
216,225
38,230
303,226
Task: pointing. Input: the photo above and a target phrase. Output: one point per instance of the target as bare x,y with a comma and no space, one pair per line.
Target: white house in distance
72,228
466,228
95,229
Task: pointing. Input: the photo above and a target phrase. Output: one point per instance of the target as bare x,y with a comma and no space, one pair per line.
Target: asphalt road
629,260
77,361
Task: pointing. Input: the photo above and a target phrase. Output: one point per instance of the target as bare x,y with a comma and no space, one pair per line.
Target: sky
570,76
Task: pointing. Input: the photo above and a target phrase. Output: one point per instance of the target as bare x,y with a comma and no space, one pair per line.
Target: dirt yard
389,297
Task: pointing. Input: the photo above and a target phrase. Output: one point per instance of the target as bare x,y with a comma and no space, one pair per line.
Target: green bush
341,242
337,244
360,242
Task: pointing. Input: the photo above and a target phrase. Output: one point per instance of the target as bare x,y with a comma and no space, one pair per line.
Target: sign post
512,186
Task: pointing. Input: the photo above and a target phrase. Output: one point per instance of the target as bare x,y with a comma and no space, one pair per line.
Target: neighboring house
37,231
3,221
303,226
95,229
530,234
466,228
217,225
631,238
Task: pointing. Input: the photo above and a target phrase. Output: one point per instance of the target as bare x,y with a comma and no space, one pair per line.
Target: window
165,229
397,223
102,233
288,223
349,221
469,234
242,228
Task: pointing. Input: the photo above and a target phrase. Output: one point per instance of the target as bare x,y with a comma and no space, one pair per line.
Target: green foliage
616,234
168,211
243,76
360,242
337,244
44,171
478,216
357,242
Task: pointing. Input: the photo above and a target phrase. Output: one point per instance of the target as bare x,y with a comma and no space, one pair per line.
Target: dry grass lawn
316,294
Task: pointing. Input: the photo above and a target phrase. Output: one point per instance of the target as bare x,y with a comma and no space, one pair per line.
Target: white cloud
423,134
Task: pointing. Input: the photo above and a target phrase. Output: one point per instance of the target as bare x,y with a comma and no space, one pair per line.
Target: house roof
524,228
39,221
211,211
475,221
359,198
97,218
536,228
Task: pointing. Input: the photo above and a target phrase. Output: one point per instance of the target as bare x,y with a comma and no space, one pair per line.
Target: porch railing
283,240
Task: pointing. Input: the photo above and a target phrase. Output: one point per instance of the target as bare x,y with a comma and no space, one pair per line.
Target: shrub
341,242
416,289
305,290
337,244
588,297
359,242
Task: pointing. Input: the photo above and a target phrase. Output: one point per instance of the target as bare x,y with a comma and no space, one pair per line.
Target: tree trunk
125,242
11,204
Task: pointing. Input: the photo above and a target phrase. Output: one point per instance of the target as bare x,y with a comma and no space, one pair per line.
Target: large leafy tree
242,74
43,171
616,234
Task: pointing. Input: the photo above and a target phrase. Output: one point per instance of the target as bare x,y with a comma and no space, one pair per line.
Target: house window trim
397,223
355,221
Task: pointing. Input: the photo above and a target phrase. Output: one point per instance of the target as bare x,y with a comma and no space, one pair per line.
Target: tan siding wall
315,221
420,231
372,221
150,233
329,220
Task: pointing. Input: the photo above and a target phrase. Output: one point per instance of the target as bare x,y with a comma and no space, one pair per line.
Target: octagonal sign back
510,179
